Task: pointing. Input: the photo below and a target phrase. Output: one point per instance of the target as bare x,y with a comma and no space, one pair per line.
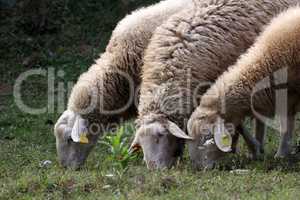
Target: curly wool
196,46
123,56
277,48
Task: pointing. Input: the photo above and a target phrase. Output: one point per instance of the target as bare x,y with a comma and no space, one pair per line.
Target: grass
78,32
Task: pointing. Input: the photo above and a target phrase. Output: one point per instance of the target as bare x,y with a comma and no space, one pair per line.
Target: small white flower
45,163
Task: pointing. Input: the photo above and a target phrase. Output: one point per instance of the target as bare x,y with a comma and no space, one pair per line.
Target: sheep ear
222,138
79,131
177,132
62,122
62,128
135,145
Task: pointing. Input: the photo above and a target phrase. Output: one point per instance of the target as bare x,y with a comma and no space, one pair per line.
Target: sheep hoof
282,155
257,153
256,156
283,152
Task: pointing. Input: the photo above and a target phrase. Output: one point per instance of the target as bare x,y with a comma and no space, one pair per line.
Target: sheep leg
253,145
286,132
235,140
259,133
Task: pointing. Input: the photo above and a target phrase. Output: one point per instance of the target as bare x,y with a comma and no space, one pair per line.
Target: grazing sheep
103,95
260,83
192,47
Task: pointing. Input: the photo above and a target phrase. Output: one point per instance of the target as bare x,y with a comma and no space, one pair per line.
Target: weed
119,154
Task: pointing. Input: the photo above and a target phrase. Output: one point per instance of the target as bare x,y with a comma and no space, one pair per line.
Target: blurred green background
69,35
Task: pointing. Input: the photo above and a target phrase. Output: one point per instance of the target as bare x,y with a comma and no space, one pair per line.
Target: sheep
192,47
246,90
103,94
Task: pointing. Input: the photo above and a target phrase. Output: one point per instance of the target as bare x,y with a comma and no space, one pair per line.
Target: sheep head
73,143
161,140
212,139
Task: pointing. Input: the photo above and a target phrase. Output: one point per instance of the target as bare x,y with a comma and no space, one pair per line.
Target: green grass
79,31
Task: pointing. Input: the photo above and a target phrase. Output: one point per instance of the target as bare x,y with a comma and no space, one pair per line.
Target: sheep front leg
286,136
259,129
235,140
253,145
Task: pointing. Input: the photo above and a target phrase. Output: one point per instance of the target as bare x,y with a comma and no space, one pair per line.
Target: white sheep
103,94
185,55
260,83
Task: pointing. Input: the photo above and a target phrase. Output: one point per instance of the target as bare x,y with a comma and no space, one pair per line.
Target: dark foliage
39,33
